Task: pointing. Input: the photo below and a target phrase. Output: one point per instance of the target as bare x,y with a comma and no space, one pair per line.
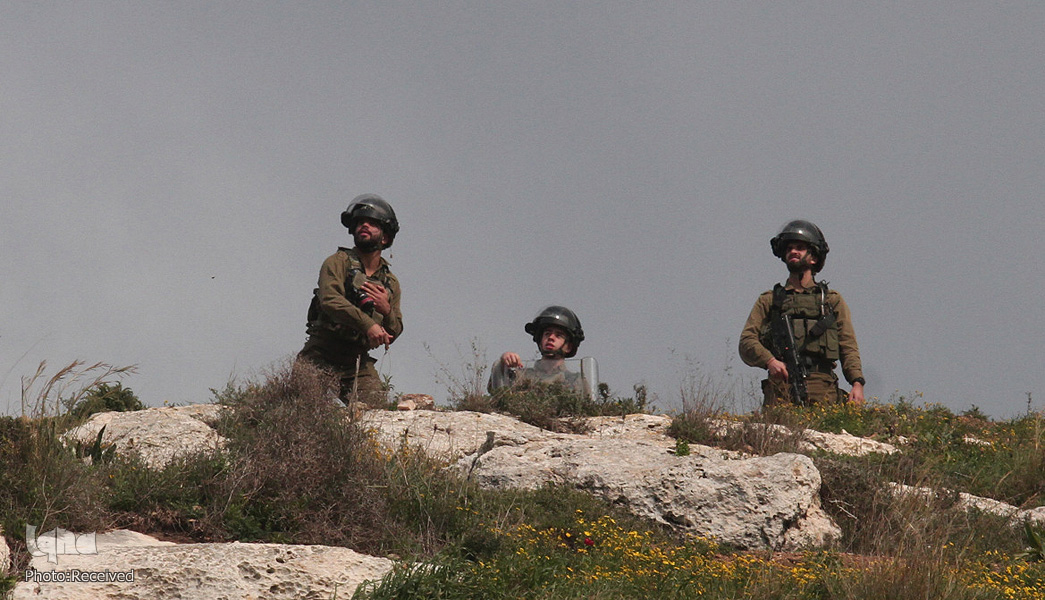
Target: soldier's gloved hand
777,370
379,295
377,336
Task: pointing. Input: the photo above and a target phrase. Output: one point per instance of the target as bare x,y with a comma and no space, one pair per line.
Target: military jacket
837,343
333,314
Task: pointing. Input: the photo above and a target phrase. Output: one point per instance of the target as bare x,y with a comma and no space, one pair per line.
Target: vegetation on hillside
296,470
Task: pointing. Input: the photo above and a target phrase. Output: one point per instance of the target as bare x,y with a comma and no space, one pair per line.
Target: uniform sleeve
848,350
752,352
332,300
393,323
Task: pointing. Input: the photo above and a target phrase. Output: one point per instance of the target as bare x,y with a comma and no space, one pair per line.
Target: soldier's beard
806,262
372,244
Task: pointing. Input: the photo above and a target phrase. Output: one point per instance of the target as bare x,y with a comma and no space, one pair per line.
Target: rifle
784,342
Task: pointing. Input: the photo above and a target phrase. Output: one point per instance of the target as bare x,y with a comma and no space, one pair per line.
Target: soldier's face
799,257
554,340
368,235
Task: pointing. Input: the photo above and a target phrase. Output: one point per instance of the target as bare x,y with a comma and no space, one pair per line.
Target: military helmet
559,316
372,206
801,231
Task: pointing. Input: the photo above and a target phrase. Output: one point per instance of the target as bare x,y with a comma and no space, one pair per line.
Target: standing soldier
802,327
356,306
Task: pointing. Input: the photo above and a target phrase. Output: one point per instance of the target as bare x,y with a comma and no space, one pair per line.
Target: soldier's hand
777,370
511,360
379,295
377,336
856,395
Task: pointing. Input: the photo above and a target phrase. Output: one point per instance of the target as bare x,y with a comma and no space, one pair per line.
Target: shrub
106,398
559,408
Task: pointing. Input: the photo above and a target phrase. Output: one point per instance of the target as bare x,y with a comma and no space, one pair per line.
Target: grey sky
172,176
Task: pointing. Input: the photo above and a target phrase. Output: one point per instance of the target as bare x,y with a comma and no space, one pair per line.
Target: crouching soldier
558,334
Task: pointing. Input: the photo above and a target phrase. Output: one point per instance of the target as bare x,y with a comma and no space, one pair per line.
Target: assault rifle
784,342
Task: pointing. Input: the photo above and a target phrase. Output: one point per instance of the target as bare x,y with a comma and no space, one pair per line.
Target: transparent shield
580,374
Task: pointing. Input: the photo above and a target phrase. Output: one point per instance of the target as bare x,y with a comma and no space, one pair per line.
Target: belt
817,366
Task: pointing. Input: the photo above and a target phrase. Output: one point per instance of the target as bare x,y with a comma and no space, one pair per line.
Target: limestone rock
765,502
5,553
969,502
651,428
158,435
205,571
810,440
416,402
448,435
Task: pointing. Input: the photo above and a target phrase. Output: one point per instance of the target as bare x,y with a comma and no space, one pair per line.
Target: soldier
821,323
557,332
356,306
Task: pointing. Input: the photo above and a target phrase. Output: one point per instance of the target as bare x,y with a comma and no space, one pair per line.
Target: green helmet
560,316
801,231
372,206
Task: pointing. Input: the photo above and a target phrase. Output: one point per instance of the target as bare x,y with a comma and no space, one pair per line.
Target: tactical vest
814,322
318,322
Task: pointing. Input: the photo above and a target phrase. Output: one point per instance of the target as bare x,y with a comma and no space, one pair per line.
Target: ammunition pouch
814,321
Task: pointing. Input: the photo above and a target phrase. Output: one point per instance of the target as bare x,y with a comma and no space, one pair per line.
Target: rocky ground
758,503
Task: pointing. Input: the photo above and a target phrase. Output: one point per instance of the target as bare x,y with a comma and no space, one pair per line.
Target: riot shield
580,374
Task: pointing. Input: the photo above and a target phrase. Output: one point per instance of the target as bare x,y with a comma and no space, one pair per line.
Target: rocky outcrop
157,435
449,435
764,502
750,502
140,567
967,502
810,440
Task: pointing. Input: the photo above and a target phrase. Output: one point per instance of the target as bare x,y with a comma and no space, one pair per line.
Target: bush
557,407
106,398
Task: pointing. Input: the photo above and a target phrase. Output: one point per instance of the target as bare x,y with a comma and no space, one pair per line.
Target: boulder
754,503
146,568
157,435
448,435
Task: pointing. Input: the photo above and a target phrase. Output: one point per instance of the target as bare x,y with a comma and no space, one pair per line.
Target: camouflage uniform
337,327
820,353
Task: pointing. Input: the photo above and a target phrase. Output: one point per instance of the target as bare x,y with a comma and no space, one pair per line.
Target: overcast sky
172,176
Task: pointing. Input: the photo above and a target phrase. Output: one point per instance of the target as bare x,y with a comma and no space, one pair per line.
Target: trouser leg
821,388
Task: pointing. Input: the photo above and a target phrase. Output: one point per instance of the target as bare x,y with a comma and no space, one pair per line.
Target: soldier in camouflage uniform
356,306
823,327
557,332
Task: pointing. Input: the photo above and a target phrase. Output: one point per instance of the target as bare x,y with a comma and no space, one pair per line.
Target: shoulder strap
353,260
827,318
779,293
